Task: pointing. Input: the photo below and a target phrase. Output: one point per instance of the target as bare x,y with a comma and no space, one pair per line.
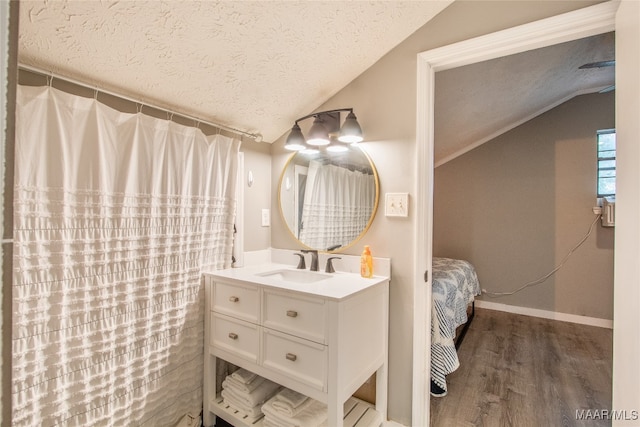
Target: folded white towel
235,403
242,387
286,409
292,397
262,393
312,416
244,376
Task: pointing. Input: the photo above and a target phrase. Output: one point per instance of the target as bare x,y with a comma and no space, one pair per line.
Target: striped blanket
455,284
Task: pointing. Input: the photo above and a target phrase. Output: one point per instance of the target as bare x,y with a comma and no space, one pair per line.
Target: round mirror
329,199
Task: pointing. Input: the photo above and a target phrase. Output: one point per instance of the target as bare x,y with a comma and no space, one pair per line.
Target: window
606,163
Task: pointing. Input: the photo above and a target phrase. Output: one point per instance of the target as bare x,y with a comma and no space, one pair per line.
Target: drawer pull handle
292,313
234,299
292,357
233,336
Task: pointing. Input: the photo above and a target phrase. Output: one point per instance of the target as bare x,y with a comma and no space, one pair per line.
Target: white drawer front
240,301
301,316
235,336
302,360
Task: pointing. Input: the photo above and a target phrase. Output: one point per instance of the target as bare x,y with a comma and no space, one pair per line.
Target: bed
454,286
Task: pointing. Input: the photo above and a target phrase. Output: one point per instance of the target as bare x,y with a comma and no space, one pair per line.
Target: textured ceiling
252,65
478,102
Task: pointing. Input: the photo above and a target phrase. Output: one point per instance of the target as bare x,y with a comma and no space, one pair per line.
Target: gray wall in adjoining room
516,206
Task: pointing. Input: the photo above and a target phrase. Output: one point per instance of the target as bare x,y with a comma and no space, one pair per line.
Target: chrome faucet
314,258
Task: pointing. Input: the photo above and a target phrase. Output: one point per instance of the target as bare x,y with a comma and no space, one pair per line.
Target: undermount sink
295,276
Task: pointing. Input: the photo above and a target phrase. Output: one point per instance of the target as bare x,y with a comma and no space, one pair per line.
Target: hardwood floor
523,371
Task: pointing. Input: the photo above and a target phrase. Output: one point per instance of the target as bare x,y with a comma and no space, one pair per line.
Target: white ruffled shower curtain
115,216
337,206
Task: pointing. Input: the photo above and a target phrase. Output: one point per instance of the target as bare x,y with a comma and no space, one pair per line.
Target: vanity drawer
304,317
299,359
235,336
240,301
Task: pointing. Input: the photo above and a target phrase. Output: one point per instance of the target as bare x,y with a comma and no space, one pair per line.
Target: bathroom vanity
320,334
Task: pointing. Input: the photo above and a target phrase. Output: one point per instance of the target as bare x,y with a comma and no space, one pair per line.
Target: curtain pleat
337,206
115,216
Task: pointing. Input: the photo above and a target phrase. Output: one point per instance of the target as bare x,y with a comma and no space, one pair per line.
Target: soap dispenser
366,263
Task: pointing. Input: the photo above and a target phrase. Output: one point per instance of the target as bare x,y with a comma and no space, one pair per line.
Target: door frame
562,28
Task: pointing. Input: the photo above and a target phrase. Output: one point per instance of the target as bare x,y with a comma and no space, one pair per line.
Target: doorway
582,23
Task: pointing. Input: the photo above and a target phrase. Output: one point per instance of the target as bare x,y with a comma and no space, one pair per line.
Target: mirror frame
369,222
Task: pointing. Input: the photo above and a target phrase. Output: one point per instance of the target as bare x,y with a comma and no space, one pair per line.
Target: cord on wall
552,272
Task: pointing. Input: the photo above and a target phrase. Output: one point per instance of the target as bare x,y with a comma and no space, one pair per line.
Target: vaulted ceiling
478,102
251,65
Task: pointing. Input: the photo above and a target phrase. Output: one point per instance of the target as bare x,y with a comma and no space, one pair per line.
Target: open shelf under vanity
357,413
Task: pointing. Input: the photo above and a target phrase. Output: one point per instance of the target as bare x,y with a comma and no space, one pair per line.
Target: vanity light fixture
350,132
295,140
324,131
318,134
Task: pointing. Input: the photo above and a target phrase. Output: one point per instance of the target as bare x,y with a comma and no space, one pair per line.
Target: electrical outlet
266,218
396,204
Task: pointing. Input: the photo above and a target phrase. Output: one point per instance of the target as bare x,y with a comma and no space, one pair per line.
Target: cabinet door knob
292,357
233,336
292,313
234,299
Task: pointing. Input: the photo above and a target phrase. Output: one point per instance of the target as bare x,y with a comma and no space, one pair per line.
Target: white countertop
338,286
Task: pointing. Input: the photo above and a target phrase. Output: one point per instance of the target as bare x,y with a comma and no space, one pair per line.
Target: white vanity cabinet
323,339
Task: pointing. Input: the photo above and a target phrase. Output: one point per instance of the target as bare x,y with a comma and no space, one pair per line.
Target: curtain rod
48,74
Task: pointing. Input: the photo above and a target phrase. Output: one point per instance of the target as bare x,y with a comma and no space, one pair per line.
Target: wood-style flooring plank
524,371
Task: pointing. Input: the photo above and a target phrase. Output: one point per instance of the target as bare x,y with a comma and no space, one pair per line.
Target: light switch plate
266,218
396,204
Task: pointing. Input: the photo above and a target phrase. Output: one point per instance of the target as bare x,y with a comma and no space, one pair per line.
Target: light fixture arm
319,113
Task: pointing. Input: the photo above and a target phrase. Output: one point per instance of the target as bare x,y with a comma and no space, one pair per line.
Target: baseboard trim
545,314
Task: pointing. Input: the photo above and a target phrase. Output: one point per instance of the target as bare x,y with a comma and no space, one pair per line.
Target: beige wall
257,160
384,100
516,205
